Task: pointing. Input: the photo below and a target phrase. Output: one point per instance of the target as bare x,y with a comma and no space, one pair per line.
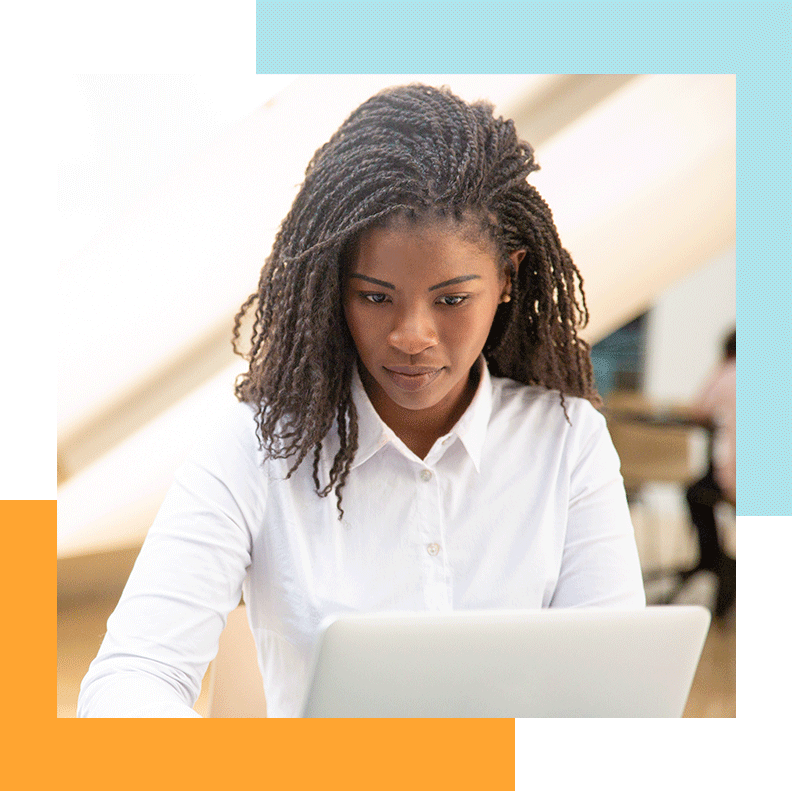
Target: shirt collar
471,428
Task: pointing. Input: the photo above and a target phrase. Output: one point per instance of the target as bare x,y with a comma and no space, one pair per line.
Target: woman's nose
413,332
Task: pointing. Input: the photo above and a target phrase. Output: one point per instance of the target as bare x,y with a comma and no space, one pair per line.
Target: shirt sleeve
186,579
600,565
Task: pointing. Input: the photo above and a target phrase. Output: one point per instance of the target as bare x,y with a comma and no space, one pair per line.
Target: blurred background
171,189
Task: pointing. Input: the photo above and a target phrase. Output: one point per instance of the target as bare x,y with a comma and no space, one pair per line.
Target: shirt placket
430,533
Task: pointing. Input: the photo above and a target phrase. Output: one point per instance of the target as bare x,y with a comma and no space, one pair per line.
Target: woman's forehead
423,250
464,233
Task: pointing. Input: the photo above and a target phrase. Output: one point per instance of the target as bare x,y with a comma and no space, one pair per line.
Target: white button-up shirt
517,507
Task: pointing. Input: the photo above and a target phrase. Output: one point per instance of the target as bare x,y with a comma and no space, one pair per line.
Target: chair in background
654,448
236,688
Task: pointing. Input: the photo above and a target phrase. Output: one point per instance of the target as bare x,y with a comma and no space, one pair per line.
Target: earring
506,298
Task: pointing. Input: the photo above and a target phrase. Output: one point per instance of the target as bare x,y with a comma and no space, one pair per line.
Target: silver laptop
508,663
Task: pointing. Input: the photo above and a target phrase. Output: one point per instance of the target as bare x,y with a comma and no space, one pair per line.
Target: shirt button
426,475
433,549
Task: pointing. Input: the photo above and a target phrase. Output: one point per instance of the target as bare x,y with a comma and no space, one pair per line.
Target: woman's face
419,300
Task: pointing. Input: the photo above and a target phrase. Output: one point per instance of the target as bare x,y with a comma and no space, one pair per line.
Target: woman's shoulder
516,398
537,410
544,419
227,430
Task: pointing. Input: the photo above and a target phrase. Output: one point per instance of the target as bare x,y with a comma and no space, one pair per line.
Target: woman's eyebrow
454,281
374,280
385,284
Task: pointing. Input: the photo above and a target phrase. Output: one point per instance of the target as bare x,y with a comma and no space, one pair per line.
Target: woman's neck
420,429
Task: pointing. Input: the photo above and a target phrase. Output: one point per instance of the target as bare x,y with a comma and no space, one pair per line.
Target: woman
414,353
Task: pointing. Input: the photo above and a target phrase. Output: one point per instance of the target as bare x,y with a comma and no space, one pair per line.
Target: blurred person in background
715,409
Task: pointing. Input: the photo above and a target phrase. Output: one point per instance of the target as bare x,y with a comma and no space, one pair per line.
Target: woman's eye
452,300
377,299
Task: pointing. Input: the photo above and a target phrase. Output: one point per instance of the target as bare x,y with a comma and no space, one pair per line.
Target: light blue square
751,41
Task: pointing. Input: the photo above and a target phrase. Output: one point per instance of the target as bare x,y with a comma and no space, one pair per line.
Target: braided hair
418,152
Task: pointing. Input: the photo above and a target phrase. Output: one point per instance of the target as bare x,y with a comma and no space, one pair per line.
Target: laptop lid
508,663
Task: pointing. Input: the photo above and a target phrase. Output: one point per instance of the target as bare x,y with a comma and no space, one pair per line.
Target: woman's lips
412,378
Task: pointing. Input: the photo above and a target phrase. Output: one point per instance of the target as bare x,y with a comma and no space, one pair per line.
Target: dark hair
730,345
420,152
